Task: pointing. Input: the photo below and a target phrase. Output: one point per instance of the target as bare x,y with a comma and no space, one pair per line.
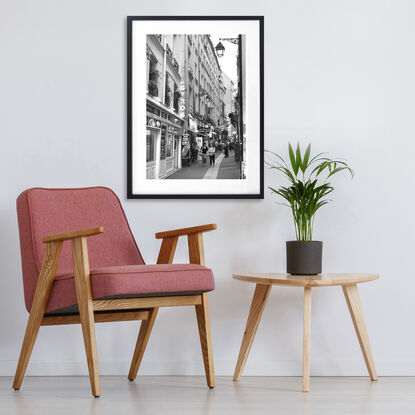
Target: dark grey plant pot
304,258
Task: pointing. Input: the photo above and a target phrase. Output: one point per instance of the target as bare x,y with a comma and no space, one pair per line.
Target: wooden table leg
306,339
255,313
351,294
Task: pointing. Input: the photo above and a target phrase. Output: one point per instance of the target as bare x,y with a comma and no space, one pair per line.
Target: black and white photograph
190,134
194,107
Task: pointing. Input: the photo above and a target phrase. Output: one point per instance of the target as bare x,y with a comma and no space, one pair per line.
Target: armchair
103,277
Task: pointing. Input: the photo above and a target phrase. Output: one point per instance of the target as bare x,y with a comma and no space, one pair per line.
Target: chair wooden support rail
108,310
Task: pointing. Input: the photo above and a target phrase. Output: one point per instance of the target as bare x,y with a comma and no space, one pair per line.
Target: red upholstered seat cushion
134,281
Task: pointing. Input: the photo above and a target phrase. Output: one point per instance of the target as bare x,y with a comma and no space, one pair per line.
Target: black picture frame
130,193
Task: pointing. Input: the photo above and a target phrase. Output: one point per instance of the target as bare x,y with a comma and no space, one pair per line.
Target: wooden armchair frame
126,309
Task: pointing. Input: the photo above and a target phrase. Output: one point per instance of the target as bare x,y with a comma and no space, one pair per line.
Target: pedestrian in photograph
204,150
194,152
226,150
211,152
186,154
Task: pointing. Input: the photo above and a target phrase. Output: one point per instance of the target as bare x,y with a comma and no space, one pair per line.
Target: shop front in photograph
163,142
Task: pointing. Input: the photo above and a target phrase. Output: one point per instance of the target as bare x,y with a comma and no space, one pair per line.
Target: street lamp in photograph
220,49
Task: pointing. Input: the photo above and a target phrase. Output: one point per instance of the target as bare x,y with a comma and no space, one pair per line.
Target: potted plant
305,195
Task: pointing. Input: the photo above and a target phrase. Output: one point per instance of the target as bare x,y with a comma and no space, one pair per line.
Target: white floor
189,395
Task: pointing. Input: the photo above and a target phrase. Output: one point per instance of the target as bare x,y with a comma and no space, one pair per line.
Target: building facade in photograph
204,87
189,100
229,101
240,102
165,126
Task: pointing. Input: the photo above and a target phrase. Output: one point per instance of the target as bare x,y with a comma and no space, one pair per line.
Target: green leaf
298,161
278,156
317,158
306,158
292,159
319,168
336,170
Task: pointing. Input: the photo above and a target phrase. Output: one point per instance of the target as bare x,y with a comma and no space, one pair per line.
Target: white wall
338,73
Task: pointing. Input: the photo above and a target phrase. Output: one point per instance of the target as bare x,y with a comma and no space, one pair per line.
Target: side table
264,282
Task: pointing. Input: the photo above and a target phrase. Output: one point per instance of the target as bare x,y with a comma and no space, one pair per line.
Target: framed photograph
195,107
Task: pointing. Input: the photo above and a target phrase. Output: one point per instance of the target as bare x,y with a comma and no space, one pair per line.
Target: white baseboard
222,368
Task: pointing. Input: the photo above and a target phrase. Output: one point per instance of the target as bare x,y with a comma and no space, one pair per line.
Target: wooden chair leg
142,340
203,323
30,336
351,295
86,310
255,313
306,339
40,300
166,255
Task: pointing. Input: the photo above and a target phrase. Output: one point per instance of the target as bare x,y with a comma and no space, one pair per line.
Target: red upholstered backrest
44,212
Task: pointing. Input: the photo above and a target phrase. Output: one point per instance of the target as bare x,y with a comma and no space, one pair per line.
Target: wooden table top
319,280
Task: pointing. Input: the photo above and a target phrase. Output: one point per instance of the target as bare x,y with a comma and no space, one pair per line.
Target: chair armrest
194,239
73,234
186,231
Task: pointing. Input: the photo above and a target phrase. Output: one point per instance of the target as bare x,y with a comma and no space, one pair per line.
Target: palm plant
308,187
